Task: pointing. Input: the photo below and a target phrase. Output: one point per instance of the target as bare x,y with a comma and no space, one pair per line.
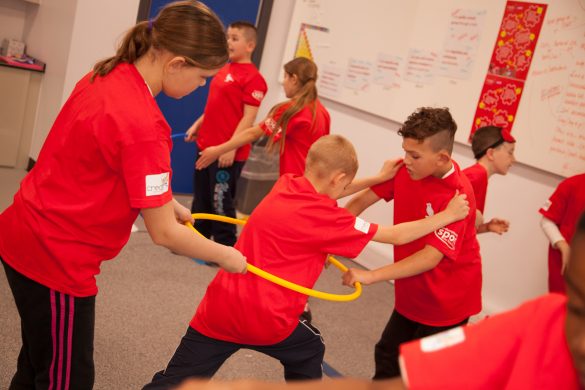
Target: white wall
12,15
98,27
48,32
514,264
70,36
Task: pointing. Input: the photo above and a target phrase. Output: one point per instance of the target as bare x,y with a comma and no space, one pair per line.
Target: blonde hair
184,28
332,153
306,72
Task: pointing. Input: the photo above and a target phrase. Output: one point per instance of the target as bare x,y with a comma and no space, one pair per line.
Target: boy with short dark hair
493,148
438,277
289,234
235,94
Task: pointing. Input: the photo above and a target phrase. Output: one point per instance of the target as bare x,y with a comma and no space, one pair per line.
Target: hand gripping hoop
282,282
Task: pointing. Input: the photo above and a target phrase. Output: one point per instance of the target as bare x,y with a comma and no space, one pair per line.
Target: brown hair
330,153
248,29
306,72
429,122
485,138
184,28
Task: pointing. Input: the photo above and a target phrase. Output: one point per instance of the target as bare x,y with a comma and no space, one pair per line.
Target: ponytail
184,28
306,72
134,45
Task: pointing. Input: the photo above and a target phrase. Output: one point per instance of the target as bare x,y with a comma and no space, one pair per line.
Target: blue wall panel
182,113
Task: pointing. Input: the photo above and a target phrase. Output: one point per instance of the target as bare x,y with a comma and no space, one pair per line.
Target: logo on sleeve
361,225
272,125
157,184
228,78
442,340
449,237
547,205
258,95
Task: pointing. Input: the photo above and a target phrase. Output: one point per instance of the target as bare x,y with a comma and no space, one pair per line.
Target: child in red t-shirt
105,159
235,94
560,214
289,234
438,277
292,126
493,148
539,345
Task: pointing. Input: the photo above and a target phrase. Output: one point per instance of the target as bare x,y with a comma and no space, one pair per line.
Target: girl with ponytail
292,126
106,159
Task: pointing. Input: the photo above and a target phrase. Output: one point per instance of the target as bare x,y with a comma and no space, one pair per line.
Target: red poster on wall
509,65
498,102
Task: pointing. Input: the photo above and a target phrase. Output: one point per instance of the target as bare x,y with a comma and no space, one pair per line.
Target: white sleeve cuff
551,230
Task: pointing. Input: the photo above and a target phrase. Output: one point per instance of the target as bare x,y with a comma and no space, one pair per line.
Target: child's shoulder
244,69
475,173
576,180
473,168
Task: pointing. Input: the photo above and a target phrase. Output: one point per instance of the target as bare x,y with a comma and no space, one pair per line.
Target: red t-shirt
289,235
478,178
106,157
301,132
450,292
564,207
233,87
524,348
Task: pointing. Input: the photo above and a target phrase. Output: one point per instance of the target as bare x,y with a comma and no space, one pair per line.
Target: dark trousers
214,192
57,337
399,330
199,356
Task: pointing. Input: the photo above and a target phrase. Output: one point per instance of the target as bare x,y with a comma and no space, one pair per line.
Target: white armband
551,230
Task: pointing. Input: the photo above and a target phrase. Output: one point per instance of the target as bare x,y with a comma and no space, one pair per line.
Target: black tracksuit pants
214,192
199,356
57,337
398,330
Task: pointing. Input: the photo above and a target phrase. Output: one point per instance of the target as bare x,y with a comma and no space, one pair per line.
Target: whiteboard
389,57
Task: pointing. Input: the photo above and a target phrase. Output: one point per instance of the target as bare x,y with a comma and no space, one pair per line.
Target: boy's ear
490,154
337,177
250,46
444,157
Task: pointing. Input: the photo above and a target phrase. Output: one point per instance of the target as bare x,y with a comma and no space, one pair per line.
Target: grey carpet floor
147,297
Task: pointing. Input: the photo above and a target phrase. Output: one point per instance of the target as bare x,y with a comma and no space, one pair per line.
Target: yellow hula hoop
282,282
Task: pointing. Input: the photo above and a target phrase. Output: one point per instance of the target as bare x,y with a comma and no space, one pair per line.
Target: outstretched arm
417,263
362,201
457,209
387,172
191,133
165,230
212,153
